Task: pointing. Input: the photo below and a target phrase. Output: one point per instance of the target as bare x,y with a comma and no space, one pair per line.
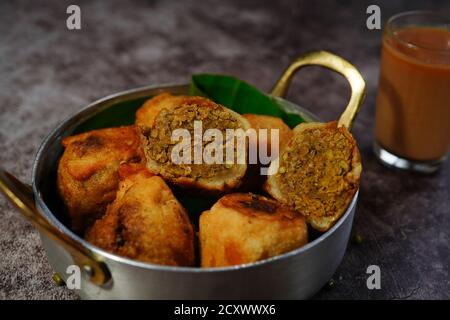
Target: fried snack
185,112
258,122
254,179
87,171
145,222
244,228
146,114
318,173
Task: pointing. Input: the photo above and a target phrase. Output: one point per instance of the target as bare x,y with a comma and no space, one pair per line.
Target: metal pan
294,275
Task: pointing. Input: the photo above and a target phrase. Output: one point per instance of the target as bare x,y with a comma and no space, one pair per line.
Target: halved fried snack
145,222
184,114
243,228
87,171
318,173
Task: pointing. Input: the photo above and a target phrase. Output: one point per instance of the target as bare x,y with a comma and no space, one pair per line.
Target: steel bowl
294,275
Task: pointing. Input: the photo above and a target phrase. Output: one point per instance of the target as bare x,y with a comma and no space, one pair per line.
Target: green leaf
240,97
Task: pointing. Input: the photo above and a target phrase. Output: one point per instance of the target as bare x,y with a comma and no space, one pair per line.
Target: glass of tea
412,129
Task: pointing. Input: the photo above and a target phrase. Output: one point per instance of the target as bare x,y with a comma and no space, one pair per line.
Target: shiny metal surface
22,197
333,62
294,275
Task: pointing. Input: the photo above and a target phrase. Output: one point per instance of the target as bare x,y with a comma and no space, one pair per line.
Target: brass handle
21,196
335,63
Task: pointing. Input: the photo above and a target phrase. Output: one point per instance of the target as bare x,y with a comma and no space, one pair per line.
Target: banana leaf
240,97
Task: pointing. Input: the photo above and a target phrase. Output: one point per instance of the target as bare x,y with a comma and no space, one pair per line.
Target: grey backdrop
48,73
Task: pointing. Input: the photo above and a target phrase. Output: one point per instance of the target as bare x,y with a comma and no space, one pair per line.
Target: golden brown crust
146,114
258,121
145,222
254,180
183,111
244,228
318,173
87,171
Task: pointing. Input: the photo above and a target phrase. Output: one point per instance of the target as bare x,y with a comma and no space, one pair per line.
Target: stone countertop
48,72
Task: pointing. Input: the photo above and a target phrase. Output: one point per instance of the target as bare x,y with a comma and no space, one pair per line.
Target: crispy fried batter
258,122
244,228
180,112
146,114
254,180
145,221
87,171
318,173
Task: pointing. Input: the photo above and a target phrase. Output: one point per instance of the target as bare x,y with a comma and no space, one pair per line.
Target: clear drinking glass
412,129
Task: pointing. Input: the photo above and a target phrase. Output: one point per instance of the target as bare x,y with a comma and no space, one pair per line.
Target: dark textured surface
48,72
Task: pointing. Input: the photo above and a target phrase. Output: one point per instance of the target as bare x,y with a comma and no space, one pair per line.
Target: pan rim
102,104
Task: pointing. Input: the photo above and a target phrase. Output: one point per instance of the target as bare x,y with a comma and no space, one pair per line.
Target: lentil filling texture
160,144
314,170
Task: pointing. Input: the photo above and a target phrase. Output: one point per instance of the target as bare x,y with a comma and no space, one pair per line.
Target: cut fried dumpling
221,172
145,222
243,228
318,173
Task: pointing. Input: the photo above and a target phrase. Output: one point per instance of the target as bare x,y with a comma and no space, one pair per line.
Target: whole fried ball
88,171
255,177
147,113
145,222
243,228
258,122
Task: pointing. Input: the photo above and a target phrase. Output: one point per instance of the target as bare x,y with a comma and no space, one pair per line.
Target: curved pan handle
337,64
21,196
